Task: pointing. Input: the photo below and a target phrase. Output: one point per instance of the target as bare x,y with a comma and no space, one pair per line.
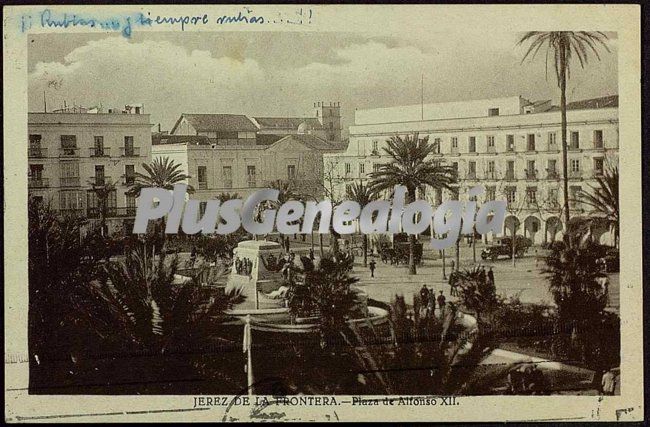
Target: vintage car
503,247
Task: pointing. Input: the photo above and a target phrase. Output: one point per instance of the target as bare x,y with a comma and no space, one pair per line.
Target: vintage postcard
322,213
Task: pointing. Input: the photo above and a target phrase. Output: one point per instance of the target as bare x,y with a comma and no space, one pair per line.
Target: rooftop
286,122
218,122
610,101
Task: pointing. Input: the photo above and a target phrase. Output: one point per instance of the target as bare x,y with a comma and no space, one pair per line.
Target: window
251,176
202,205
472,144
99,175
531,195
376,167
530,171
454,142
69,145
530,139
598,166
575,141
36,172
552,140
35,149
202,175
348,168
454,167
510,143
575,165
375,145
129,174
226,173
510,169
454,193
490,193
491,170
552,196
362,168
471,174
69,174
438,196
71,200
98,146
598,139
437,143
493,112
511,194
490,141
576,193
291,171
128,146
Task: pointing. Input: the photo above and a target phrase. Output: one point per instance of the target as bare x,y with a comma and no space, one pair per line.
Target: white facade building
510,146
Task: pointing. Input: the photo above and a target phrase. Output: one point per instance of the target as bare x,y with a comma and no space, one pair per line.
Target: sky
284,74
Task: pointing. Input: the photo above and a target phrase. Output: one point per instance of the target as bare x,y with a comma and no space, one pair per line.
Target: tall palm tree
563,45
604,199
286,192
362,194
161,173
103,191
411,167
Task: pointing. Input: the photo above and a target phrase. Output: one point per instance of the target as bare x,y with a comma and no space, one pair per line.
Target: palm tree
286,193
103,191
563,45
604,199
411,168
362,194
161,173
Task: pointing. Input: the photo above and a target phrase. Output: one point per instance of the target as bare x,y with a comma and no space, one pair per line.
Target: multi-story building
70,153
510,146
242,169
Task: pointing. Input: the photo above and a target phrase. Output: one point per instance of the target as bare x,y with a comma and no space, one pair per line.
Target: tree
573,271
563,45
412,168
362,194
285,193
476,292
161,173
603,199
103,191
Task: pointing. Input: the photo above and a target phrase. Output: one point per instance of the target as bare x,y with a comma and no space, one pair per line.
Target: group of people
428,299
243,266
527,379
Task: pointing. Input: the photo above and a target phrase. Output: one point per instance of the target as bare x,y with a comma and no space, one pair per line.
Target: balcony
454,151
70,181
112,212
471,176
203,185
552,174
128,180
100,152
491,175
376,153
575,174
69,152
98,180
38,183
552,205
227,183
553,148
129,151
573,147
72,213
510,176
597,173
36,152
531,175
491,150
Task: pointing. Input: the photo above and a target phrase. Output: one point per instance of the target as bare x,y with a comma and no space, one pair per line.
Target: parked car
503,247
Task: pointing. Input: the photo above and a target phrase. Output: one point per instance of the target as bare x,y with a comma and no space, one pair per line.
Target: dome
305,128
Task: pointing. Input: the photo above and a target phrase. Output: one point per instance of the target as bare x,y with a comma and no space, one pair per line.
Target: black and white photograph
329,217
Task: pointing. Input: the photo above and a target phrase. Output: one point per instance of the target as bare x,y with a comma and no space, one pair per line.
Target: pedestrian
609,383
515,381
490,277
424,296
372,265
482,274
453,265
537,381
441,303
193,256
311,254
